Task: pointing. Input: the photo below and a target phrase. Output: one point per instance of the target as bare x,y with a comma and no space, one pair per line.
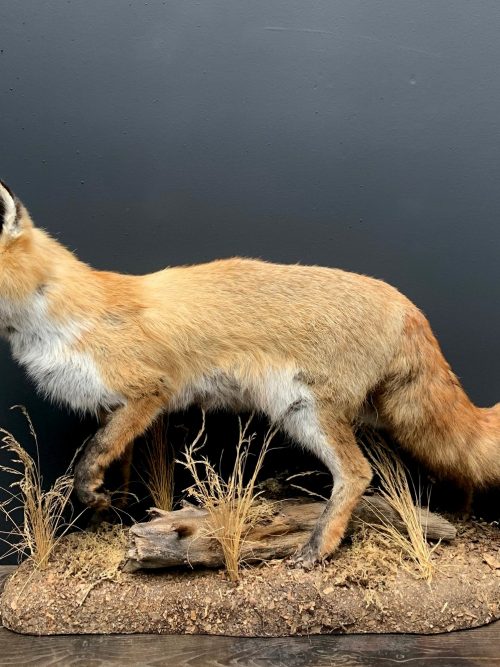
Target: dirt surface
368,587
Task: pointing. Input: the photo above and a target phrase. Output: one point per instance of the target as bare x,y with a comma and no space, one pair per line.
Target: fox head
13,217
21,262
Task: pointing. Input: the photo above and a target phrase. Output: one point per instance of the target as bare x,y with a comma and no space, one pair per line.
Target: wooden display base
365,588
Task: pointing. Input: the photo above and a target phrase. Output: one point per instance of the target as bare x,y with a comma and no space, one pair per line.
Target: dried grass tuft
234,506
160,464
372,565
87,555
44,512
91,557
395,489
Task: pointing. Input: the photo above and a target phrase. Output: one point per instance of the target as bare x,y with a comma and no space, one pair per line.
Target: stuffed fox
316,350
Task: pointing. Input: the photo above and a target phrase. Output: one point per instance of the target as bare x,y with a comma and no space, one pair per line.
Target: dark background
357,134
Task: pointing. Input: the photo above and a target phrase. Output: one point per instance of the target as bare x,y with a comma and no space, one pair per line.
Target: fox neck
38,276
47,324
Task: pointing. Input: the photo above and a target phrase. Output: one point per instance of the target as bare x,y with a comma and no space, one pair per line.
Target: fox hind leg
333,442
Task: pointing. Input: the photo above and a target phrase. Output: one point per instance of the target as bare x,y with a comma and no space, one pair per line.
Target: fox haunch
316,350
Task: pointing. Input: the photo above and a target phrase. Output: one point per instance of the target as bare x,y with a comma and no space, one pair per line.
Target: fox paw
306,558
97,498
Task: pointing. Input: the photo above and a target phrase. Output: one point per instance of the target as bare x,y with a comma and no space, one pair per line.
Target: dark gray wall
358,134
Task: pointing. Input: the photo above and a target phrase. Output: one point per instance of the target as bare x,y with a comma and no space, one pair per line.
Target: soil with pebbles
367,587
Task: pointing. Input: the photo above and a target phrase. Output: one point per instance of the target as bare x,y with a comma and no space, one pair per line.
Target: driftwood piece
181,537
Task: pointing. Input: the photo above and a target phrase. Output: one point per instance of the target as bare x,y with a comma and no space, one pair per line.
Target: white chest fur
46,349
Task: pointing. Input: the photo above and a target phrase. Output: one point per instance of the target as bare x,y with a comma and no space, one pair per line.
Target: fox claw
306,558
98,500
89,487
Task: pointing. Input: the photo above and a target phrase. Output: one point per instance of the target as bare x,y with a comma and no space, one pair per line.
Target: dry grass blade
395,489
234,505
309,492
43,511
160,464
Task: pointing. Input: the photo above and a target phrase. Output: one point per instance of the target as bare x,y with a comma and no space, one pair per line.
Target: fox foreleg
110,443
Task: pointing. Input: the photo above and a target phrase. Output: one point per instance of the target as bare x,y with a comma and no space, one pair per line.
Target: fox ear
10,211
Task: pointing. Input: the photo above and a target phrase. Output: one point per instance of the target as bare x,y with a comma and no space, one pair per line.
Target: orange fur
334,342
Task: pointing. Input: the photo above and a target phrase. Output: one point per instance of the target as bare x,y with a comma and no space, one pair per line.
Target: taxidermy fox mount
316,350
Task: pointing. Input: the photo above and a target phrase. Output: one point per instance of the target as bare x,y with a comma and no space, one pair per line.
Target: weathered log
182,537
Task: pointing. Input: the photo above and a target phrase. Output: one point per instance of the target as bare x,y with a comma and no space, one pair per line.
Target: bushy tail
427,411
